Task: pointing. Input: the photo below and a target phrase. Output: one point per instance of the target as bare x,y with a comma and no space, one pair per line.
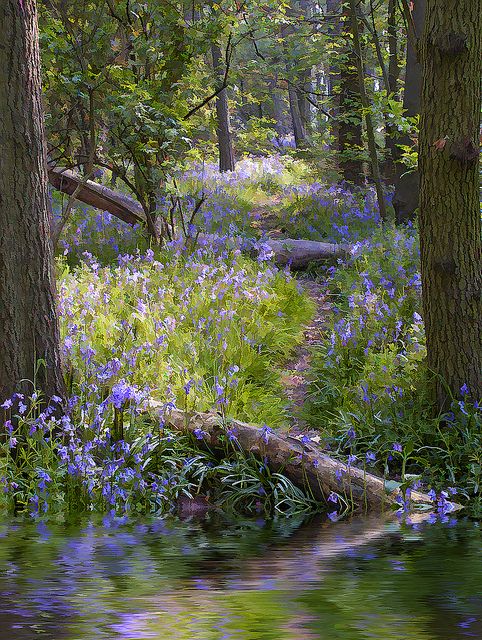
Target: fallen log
305,465
98,196
299,254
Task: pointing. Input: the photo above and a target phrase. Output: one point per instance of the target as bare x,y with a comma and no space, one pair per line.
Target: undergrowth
202,327
369,384
206,330
112,457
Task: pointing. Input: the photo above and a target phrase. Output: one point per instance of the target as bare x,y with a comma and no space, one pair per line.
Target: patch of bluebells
330,213
369,371
191,327
74,461
195,326
227,208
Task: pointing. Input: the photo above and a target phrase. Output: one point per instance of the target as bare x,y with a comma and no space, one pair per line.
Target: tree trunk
278,108
304,84
305,465
405,200
350,141
303,90
29,331
226,155
393,67
333,12
368,112
96,195
450,225
391,131
298,128
299,132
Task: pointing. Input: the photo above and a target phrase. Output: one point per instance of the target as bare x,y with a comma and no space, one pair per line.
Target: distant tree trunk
299,131
405,200
350,141
333,13
29,330
449,218
304,89
225,145
393,66
278,108
298,128
365,103
391,131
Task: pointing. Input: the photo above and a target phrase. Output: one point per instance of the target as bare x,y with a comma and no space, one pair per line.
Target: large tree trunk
350,141
29,330
225,145
450,226
405,200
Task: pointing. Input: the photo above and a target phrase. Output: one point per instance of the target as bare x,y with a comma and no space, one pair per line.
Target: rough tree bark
28,320
225,145
449,217
405,200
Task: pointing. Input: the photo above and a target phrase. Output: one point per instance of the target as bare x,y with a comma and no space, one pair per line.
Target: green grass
220,325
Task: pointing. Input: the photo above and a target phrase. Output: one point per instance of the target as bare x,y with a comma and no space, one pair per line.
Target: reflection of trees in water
325,580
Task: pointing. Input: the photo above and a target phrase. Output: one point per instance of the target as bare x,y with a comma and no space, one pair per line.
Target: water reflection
248,581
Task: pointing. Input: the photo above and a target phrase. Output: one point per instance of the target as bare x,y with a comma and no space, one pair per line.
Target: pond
358,579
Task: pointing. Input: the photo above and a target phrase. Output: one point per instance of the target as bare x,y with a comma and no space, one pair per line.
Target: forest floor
296,376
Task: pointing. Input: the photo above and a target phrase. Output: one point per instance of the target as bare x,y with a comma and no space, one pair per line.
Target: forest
240,273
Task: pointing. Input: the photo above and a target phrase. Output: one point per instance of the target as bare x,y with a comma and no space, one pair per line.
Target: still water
364,579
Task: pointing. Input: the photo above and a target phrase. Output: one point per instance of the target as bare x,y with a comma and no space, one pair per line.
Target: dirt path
295,376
